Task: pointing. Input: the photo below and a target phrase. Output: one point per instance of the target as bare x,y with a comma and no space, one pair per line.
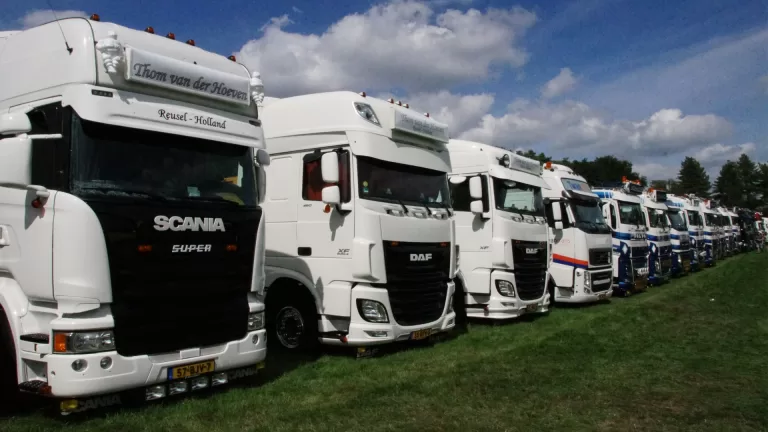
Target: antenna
69,50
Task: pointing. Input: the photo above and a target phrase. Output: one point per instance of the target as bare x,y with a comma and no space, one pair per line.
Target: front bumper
362,333
582,291
500,307
127,373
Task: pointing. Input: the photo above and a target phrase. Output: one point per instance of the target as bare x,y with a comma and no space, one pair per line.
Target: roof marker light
390,100
399,103
362,94
407,106
191,42
171,36
95,17
150,30
426,114
233,58
548,165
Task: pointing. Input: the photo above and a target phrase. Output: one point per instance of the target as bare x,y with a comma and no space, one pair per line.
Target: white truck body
360,245
659,236
125,261
623,210
712,233
684,256
730,230
501,231
581,266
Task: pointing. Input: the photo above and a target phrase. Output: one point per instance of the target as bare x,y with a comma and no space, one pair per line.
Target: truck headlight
372,311
255,321
82,342
505,288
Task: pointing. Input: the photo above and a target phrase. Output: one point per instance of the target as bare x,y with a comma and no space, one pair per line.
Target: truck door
473,235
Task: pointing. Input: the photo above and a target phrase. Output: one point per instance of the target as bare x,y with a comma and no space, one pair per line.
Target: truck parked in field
581,266
623,209
658,234
712,238
684,256
360,244
131,234
501,231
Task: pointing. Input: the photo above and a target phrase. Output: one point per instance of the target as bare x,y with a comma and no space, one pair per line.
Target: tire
9,386
292,323
459,304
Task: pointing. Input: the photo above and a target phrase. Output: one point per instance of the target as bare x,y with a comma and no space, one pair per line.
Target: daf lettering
531,251
178,223
421,257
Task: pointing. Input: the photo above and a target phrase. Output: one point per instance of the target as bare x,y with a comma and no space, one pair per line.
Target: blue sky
651,81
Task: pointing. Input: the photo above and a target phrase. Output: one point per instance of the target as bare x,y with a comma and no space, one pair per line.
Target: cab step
40,338
35,386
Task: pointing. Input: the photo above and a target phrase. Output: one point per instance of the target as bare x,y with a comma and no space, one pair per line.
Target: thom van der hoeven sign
153,69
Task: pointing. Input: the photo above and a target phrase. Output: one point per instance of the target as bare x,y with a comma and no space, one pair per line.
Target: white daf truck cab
501,232
360,244
131,234
684,257
581,266
623,209
658,235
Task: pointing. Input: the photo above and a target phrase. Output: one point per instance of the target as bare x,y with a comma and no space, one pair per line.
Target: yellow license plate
190,370
602,296
421,334
531,307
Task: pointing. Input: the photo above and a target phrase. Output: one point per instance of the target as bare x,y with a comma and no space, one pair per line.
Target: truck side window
46,120
312,178
460,195
613,216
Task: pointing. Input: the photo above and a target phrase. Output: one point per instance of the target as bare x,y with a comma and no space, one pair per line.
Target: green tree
747,171
729,185
693,178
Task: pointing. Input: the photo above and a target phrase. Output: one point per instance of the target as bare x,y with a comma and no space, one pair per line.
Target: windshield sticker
576,185
365,187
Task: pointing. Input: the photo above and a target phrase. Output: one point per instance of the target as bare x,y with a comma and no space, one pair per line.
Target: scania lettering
131,243
684,257
360,243
501,232
581,266
623,209
658,235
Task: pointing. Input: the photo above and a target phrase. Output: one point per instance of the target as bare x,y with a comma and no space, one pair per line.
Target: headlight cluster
255,321
372,311
82,342
505,288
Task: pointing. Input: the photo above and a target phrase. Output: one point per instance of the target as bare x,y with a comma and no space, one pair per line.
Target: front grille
665,250
417,280
666,265
530,268
600,257
639,251
604,286
685,245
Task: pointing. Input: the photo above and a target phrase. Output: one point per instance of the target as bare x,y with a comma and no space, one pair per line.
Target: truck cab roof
474,157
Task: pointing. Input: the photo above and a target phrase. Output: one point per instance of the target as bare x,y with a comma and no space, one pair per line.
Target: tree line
740,183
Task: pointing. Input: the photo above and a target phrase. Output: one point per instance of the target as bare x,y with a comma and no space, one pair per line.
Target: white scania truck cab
684,257
360,244
658,234
581,266
623,209
711,232
501,231
131,234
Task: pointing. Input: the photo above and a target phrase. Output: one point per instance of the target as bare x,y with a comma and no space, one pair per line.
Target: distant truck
501,232
659,241
582,256
131,231
684,256
623,209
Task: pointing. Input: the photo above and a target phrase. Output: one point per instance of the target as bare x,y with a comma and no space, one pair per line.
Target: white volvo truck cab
711,233
131,234
623,209
360,244
729,237
658,234
581,266
684,257
695,219
501,231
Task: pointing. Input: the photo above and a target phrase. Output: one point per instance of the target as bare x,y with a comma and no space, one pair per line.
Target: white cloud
657,171
296,10
401,44
717,154
37,17
559,85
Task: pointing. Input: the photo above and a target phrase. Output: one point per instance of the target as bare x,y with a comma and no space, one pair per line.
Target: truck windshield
118,162
711,219
677,220
657,218
380,180
631,213
694,218
518,197
589,217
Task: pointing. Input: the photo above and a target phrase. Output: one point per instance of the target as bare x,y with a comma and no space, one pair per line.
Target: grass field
691,355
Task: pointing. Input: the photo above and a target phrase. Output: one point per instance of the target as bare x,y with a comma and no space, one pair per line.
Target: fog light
79,365
255,339
176,387
106,363
505,288
219,379
155,392
376,334
199,383
372,311
68,405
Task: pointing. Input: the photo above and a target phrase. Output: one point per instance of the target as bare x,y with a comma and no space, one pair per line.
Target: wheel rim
289,327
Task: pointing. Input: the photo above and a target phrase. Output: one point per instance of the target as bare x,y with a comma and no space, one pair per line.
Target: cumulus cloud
559,85
37,17
400,44
657,171
717,154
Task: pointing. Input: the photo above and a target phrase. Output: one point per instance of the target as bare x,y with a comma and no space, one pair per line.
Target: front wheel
293,325
9,388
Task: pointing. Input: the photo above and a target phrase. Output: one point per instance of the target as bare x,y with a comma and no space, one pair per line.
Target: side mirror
457,179
332,195
262,157
558,225
557,214
476,188
261,178
329,164
476,207
14,124
15,161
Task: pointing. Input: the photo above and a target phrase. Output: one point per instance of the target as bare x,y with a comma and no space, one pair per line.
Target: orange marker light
191,42
150,30
231,247
327,208
145,248
548,165
171,36
59,342
233,58
95,17
395,243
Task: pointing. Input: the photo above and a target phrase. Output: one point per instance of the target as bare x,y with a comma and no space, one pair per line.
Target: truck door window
46,120
460,195
312,177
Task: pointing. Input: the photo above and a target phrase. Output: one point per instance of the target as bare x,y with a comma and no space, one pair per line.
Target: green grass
691,355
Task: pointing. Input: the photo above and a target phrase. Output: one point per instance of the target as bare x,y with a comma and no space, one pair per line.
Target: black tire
292,322
551,289
459,304
9,386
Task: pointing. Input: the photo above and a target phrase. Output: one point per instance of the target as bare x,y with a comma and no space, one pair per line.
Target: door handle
5,238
